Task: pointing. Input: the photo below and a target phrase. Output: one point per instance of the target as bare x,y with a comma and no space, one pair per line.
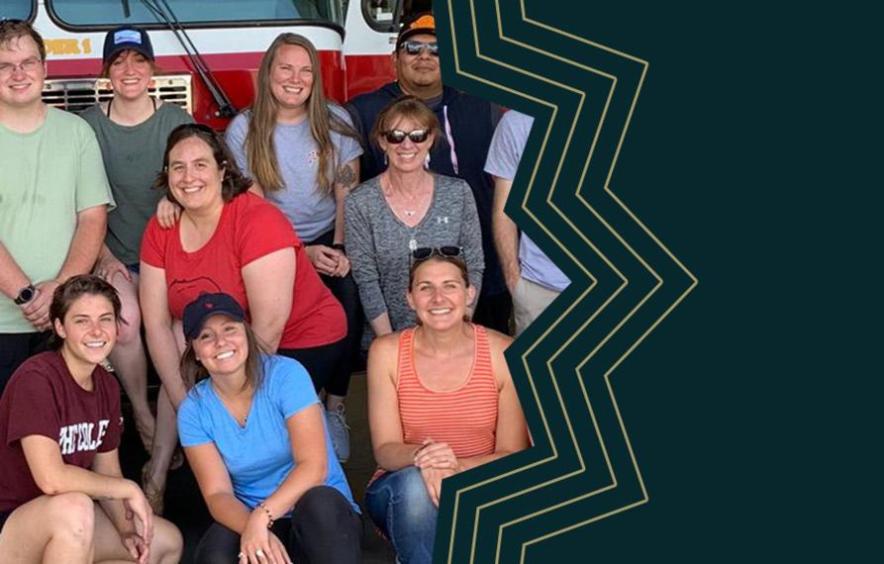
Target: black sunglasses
423,253
396,136
417,47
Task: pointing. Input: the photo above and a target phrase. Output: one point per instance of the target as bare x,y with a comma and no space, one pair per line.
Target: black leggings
323,528
345,290
321,362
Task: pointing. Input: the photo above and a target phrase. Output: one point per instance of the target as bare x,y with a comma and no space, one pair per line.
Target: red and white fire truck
208,51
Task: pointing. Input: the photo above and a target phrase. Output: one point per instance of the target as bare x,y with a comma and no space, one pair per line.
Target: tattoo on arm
345,176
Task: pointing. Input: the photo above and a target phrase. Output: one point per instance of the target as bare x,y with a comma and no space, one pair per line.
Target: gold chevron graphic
579,521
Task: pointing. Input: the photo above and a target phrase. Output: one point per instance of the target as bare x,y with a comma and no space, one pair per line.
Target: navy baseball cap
126,38
205,306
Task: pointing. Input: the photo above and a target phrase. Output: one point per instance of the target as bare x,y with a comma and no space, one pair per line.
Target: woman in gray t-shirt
131,129
303,154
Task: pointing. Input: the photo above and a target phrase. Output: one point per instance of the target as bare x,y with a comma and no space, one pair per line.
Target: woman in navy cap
253,432
132,128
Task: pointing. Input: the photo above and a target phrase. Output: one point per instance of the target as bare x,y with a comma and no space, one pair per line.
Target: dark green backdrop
706,389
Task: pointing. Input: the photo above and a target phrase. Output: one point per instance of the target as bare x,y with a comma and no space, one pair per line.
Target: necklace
405,204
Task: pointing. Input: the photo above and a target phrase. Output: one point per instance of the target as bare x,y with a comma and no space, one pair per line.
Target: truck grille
77,94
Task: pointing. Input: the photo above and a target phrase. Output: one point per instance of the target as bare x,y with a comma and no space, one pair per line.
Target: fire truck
208,51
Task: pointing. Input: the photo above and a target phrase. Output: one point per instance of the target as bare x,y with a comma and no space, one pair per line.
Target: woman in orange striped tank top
440,400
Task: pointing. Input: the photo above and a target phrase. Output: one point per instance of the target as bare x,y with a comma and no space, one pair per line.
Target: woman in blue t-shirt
253,432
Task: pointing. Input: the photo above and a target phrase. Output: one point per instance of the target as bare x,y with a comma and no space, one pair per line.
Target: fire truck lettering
64,46
87,46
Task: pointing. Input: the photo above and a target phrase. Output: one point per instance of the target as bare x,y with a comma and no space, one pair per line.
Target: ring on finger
259,553
241,555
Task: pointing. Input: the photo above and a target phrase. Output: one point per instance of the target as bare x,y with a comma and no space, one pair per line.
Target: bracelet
270,519
339,247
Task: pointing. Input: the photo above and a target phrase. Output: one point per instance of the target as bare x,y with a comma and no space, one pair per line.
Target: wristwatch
25,295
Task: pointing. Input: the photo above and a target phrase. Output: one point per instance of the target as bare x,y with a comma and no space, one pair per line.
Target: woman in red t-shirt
64,498
226,240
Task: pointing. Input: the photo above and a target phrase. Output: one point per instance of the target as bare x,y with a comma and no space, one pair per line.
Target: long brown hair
259,146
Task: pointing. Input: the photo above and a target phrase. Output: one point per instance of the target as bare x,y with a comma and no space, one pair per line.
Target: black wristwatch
25,295
339,247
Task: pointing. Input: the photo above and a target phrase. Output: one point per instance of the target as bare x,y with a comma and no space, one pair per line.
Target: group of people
252,263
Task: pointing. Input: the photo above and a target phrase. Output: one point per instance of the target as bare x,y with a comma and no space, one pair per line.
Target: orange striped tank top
465,418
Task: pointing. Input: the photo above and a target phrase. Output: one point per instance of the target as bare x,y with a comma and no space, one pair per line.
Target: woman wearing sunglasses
63,497
253,433
404,208
303,153
440,401
131,129
233,241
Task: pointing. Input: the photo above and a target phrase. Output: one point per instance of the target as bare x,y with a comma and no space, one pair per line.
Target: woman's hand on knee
278,551
109,266
137,547
433,481
258,544
138,511
436,455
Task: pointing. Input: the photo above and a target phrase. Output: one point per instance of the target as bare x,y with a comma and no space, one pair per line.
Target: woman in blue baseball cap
131,128
253,432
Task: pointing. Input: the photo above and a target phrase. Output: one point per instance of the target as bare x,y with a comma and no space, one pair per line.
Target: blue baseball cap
126,38
205,306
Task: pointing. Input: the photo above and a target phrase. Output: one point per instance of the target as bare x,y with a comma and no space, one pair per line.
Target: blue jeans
400,506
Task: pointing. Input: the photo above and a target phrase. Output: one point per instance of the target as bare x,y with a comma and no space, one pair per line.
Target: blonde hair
260,150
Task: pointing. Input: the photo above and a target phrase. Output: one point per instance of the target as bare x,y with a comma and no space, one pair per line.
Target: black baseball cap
205,306
126,38
422,22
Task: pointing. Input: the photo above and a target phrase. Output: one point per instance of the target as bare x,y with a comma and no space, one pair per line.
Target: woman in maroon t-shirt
226,240
60,427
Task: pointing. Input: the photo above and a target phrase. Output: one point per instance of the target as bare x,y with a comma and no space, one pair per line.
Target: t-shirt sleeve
114,433
190,428
356,119
32,406
505,150
92,186
349,147
291,388
235,136
264,230
153,244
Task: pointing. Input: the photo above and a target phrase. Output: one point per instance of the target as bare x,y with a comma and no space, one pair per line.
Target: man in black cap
467,123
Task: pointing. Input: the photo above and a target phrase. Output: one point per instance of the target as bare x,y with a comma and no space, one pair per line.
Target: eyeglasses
27,66
396,136
418,47
423,253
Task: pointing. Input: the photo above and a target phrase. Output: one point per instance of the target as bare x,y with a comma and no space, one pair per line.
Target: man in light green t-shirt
53,197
